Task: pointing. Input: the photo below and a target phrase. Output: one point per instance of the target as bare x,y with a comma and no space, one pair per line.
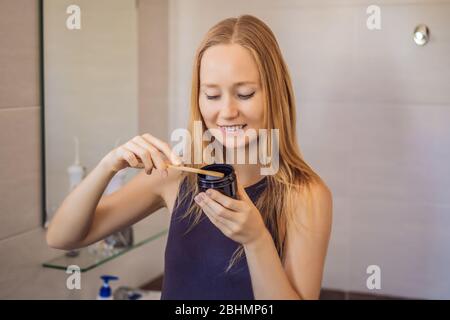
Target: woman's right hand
144,151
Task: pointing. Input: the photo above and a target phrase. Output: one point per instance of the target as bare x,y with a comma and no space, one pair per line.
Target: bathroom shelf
89,258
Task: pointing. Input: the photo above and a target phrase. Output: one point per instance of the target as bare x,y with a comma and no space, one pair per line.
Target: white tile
410,243
391,67
325,134
401,152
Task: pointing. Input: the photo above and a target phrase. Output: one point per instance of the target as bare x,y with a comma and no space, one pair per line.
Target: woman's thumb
242,194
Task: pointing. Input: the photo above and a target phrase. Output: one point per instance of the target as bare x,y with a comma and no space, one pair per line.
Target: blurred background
373,110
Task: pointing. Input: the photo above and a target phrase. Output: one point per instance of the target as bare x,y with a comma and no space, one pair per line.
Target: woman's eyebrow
209,85
237,84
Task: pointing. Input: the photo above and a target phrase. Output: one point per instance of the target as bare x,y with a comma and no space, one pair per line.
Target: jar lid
215,182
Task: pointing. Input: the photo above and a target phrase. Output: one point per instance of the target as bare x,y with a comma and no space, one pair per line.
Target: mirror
90,88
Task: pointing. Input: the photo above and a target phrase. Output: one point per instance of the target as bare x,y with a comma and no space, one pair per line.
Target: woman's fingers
221,214
152,151
219,209
217,221
128,156
155,155
163,147
227,202
142,153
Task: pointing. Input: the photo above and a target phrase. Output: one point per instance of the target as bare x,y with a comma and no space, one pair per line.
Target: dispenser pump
77,151
105,290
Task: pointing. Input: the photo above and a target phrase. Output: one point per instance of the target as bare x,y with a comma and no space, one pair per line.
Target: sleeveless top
195,262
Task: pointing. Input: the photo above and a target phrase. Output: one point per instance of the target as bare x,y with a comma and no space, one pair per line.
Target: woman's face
230,96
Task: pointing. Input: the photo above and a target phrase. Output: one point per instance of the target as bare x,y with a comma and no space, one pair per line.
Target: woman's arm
82,220
306,248
73,219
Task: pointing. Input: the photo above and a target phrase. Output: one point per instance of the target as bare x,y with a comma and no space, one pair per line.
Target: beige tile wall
19,68
22,239
153,66
373,120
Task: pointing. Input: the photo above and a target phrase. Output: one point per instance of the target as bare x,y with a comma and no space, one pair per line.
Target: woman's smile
233,130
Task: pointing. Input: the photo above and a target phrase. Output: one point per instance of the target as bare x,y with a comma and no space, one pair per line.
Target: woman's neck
248,174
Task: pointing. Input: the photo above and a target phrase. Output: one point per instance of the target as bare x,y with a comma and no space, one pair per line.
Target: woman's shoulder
314,205
320,191
315,189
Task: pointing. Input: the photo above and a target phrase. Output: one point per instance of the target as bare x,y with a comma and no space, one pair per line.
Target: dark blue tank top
195,262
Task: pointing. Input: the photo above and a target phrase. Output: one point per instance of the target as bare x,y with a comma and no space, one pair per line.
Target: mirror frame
42,112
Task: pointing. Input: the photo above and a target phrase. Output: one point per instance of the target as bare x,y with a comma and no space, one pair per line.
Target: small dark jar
226,185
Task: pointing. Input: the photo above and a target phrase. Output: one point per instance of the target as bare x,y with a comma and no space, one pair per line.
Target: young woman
270,242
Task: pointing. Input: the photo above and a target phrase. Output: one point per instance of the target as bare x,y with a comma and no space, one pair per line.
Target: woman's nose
229,110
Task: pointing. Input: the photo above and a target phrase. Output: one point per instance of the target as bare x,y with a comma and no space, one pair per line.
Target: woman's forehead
233,63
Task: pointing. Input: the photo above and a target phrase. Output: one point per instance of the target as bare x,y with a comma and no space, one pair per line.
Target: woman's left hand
238,219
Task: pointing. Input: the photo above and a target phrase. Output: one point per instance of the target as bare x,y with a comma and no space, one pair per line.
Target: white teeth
232,128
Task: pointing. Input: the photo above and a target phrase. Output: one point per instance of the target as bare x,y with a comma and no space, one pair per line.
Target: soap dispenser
105,291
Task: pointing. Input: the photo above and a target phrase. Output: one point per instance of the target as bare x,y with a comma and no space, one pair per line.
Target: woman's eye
212,97
246,96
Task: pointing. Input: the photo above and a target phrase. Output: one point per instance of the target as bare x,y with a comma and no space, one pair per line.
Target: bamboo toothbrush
194,170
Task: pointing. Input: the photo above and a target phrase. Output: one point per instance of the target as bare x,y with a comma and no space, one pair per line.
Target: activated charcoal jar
226,185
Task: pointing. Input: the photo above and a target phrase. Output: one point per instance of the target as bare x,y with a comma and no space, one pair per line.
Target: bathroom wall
91,86
22,239
373,114
373,120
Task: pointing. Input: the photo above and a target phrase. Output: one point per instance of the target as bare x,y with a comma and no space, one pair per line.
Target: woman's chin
235,146
239,144
234,142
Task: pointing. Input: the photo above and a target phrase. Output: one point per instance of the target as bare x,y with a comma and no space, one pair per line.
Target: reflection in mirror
90,89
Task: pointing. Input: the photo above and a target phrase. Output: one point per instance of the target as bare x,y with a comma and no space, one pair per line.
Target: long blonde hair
277,202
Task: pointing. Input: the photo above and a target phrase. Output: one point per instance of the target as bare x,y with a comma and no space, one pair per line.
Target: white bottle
76,171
